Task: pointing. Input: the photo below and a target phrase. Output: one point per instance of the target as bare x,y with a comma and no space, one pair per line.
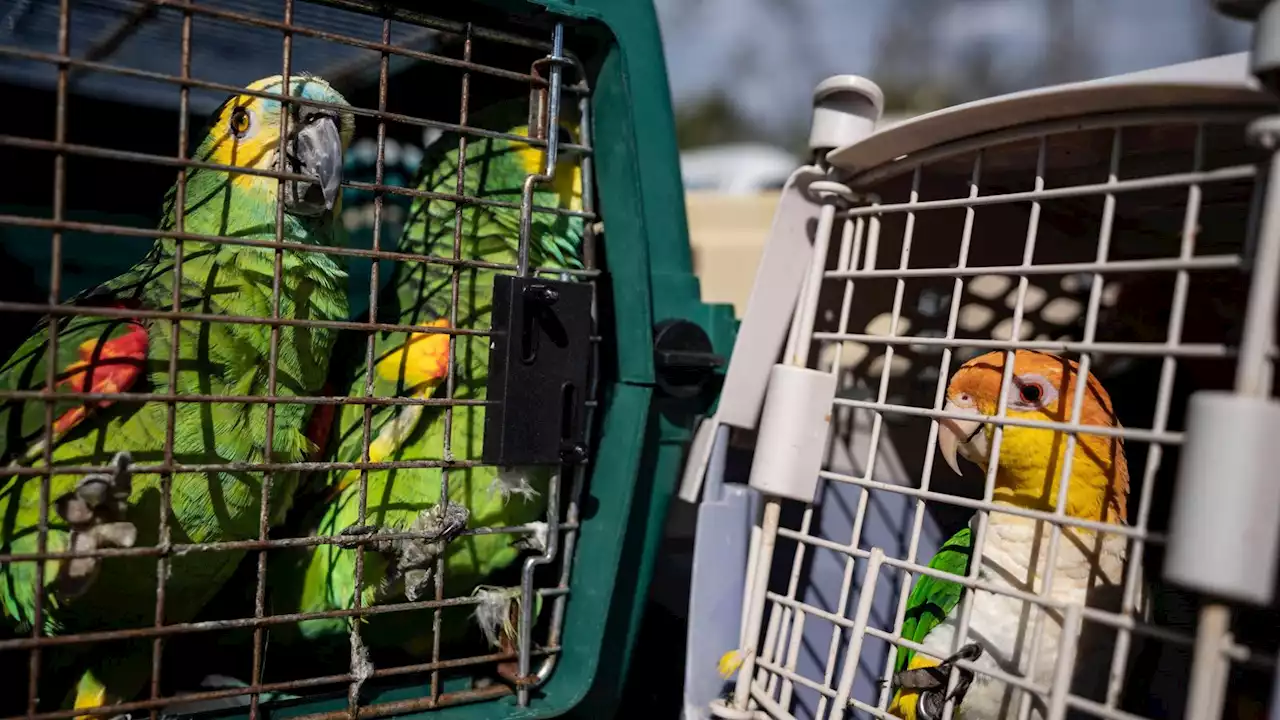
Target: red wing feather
112,366
321,424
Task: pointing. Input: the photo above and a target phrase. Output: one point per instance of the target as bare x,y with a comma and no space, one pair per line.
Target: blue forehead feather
303,86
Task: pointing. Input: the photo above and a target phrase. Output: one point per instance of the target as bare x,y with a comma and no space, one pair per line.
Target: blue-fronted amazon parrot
120,508
1090,565
416,365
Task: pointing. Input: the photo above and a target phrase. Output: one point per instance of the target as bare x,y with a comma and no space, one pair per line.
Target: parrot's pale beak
316,151
964,437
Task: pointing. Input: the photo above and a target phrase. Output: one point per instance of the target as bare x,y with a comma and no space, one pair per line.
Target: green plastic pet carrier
601,358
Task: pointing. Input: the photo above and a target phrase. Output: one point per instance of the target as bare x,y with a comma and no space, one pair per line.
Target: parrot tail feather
90,693
95,511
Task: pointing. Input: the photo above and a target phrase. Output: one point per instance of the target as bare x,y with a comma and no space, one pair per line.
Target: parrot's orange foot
95,510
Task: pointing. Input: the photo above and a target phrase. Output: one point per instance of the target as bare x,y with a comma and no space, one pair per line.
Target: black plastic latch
1241,9
538,361
682,357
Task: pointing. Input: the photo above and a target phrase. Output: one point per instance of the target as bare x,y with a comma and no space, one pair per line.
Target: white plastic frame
769,692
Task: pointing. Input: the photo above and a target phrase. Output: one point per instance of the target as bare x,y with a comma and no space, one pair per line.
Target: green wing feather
417,294
932,599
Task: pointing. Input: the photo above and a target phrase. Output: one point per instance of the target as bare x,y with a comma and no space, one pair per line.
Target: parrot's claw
512,481
931,682
535,541
95,511
416,557
412,560
348,537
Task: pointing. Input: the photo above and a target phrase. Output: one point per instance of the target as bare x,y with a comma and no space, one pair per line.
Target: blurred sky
767,55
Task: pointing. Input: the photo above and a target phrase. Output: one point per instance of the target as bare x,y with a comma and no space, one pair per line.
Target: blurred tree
979,73
712,120
912,97
1067,55
906,58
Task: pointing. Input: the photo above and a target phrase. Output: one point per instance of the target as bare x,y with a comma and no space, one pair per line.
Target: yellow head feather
246,130
568,178
1031,459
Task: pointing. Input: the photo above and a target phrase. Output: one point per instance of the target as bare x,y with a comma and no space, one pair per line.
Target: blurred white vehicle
736,168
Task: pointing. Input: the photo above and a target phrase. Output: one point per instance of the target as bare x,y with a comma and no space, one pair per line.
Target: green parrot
118,508
416,365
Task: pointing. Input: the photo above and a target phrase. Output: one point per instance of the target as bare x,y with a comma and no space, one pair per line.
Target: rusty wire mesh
514,63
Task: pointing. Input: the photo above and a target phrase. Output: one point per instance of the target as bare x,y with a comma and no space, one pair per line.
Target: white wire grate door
1033,307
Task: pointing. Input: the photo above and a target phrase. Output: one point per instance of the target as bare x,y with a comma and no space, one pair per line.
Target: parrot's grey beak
566,154
963,437
316,151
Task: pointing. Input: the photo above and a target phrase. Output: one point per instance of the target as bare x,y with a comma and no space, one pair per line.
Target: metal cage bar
55,276
1168,368
851,242
944,371
535,655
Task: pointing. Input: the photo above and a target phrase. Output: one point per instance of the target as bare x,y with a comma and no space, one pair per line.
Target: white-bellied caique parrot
1089,568
124,353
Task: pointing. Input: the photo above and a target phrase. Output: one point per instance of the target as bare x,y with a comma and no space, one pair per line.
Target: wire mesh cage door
968,289
277,448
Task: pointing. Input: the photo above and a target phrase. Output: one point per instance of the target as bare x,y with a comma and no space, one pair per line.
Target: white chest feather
1089,571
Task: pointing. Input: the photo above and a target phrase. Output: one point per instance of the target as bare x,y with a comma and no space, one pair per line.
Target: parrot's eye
241,121
1031,392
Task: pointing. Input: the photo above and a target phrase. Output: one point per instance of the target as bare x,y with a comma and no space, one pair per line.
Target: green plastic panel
643,435
641,198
